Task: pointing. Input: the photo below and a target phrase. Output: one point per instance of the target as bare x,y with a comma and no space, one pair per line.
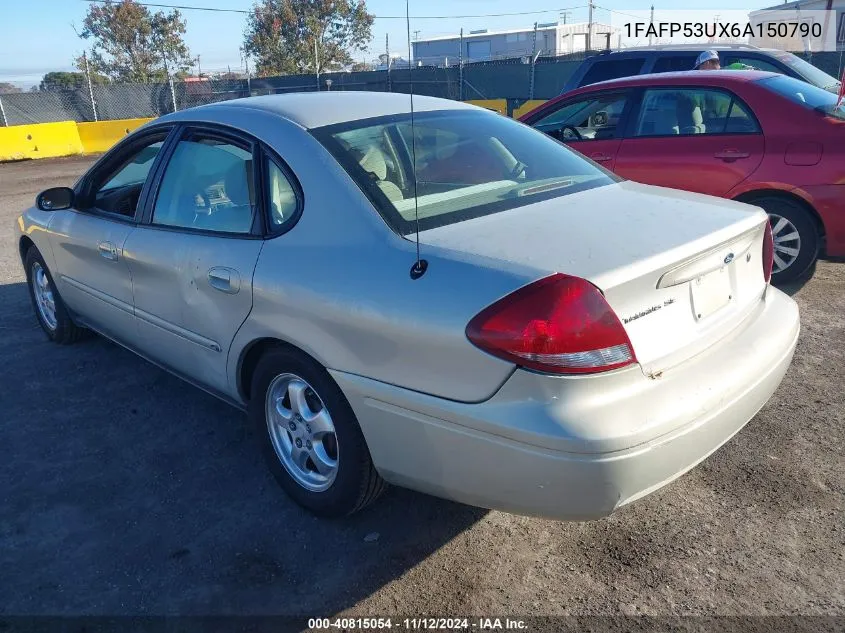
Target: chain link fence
516,79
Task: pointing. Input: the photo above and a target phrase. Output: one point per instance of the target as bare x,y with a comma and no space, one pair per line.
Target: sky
38,35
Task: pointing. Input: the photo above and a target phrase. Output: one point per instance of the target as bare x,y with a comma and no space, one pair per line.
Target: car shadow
127,491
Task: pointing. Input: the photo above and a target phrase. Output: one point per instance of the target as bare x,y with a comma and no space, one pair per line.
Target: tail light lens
559,324
768,252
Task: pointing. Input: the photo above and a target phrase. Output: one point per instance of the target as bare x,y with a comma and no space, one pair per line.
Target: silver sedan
450,301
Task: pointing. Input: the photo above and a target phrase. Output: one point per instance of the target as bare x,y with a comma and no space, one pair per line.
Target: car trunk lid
680,270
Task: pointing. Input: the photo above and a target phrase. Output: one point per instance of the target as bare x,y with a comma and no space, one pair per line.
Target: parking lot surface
126,491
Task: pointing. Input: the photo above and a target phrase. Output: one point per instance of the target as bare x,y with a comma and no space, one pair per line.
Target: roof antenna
420,265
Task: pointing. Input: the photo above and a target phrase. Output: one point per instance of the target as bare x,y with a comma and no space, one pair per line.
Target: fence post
90,88
533,63
461,68
3,112
173,95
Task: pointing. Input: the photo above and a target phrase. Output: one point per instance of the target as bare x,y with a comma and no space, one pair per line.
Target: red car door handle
731,154
600,157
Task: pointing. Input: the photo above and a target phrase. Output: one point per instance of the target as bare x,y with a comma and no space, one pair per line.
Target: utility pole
90,88
564,15
317,64
199,68
590,27
416,35
533,63
651,22
461,68
387,57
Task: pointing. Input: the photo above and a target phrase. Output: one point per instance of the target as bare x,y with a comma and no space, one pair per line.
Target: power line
377,17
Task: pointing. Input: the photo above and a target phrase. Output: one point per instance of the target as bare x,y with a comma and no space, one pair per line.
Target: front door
192,260
696,139
590,124
88,242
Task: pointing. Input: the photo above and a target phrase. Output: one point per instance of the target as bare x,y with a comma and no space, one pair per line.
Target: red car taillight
768,252
559,324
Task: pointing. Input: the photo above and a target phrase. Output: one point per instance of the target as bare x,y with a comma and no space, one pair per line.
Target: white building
798,10
552,39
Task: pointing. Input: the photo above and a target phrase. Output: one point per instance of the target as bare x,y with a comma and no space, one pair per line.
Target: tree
60,80
133,44
7,88
281,34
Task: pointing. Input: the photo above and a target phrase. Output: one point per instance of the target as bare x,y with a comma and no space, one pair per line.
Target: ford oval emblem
729,258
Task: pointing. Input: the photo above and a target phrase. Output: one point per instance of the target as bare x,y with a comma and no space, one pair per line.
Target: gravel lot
126,491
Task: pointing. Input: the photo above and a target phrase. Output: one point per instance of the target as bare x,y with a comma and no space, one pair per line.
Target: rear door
193,257
591,124
704,140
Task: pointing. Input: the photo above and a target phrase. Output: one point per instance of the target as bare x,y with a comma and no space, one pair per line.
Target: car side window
689,111
119,188
612,69
209,185
752,63
596,117
673,63
283,200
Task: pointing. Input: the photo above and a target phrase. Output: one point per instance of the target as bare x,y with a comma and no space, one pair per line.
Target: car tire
789,217
49,308
282,374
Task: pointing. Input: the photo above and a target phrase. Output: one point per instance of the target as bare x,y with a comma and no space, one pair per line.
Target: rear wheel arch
251,356
750,196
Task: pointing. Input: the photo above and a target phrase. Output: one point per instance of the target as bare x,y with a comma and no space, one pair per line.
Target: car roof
698,77
316,109
670,49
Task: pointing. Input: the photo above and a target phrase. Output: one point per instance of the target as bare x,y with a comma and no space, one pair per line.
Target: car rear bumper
577,448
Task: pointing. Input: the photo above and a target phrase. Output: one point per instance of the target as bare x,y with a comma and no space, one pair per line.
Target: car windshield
810,73
806,95
459,164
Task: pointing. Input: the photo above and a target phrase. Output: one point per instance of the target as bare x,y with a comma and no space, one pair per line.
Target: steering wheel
570,133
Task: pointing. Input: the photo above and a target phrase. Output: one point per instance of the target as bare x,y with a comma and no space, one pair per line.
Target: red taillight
768,252
559,324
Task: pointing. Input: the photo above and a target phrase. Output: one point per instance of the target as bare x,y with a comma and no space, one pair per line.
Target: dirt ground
124,491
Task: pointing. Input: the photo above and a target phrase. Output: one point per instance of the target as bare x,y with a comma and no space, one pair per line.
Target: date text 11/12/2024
439,624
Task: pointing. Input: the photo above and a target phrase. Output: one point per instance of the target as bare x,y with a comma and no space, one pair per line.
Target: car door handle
600,158
731,154
107,250
224,279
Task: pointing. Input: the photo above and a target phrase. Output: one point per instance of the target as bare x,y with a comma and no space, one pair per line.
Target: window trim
269,155
83,190
735,98
621,128
220,132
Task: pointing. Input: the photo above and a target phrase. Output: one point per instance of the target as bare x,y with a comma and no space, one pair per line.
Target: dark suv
660,59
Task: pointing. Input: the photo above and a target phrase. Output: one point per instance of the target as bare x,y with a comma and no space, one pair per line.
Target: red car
757,137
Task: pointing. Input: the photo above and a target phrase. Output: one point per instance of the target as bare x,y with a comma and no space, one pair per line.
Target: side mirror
55,199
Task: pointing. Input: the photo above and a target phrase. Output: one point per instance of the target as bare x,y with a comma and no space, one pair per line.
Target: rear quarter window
612,69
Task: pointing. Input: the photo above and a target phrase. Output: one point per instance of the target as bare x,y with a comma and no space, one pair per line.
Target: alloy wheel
787,242
302,432
44,298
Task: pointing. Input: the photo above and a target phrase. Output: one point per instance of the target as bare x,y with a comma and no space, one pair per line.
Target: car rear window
804,94
613,69
455,165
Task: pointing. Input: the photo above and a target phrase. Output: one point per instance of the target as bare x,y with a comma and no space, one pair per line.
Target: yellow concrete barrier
497,105
100,136
527,107
42,140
